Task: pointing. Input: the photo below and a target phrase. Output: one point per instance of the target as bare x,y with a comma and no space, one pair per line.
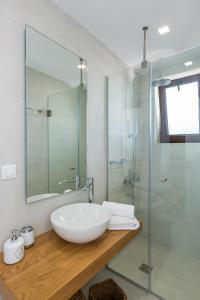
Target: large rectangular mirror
56,109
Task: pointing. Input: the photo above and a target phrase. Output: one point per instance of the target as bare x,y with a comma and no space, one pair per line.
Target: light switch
8,172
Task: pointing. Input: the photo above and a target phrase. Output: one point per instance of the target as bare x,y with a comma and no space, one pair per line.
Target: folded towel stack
122,216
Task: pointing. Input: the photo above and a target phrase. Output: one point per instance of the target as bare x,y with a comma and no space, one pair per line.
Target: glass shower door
128,163
120,138
175,177
66,139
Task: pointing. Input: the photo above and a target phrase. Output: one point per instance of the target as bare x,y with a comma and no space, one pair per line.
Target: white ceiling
118,24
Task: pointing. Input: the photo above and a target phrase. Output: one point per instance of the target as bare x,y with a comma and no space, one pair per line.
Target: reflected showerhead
161,82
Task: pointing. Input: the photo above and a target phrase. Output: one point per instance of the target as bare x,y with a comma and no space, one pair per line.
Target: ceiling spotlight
163,30
82,66
188,63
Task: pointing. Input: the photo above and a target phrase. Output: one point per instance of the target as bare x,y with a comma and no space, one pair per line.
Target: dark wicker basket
78,296
106,290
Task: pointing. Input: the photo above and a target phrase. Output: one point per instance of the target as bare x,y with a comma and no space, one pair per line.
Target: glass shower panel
120,137
175,178
128,163
36,122
63,135
82,143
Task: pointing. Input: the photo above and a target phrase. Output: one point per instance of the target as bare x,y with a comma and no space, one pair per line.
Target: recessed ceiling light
163,30
188,63
81,66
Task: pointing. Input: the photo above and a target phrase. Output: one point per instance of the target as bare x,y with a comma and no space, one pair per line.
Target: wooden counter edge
77,282
95,267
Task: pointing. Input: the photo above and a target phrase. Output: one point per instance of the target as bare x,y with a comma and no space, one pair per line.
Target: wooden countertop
55,269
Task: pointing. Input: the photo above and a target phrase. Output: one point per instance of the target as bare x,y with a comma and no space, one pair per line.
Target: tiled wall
175,203
63,131
45,17
37,143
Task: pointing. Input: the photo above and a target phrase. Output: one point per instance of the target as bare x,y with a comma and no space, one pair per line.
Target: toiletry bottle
27,233
13,249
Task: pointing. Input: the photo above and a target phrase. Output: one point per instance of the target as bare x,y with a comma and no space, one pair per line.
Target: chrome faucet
90,188
72,179
62,182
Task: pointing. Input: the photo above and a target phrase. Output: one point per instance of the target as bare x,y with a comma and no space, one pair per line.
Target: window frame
165,137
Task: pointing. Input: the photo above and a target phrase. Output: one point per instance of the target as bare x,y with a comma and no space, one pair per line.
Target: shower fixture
35,109
161,82
47,112
144,63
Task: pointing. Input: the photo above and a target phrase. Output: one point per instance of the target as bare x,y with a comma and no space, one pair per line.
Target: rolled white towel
119,209
117,220
133,226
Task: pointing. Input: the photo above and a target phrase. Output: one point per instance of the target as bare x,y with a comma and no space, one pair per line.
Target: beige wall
45,17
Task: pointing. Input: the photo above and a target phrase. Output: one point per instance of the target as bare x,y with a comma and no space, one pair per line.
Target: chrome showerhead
161,82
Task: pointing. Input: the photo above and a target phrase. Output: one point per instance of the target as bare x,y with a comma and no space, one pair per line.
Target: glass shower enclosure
154,163
66,138
128,163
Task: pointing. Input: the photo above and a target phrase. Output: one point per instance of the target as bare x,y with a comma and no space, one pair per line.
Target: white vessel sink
80,222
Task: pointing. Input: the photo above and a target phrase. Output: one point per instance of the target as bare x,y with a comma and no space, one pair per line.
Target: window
179,108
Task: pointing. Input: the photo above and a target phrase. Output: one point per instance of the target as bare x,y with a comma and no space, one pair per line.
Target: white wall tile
13,58
175,203
1,48
12,136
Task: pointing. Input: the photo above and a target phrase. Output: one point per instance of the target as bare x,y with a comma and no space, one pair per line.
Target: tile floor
175,276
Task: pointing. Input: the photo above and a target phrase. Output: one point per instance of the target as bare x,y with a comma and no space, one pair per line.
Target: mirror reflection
56,108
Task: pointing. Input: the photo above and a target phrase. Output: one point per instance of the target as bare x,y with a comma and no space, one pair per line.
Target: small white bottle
13,249
27,233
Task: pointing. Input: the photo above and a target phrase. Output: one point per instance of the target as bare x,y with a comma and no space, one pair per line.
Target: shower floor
175,276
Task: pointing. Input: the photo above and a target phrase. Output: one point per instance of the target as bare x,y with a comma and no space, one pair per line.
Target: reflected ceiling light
188,63
163,30
82,66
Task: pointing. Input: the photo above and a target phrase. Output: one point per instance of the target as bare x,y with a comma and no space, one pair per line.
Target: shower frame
149,207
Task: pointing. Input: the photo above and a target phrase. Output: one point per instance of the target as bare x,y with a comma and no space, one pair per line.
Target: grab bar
113,162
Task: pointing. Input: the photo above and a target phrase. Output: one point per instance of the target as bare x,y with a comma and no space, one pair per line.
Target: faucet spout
71,179
90,188
87,186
